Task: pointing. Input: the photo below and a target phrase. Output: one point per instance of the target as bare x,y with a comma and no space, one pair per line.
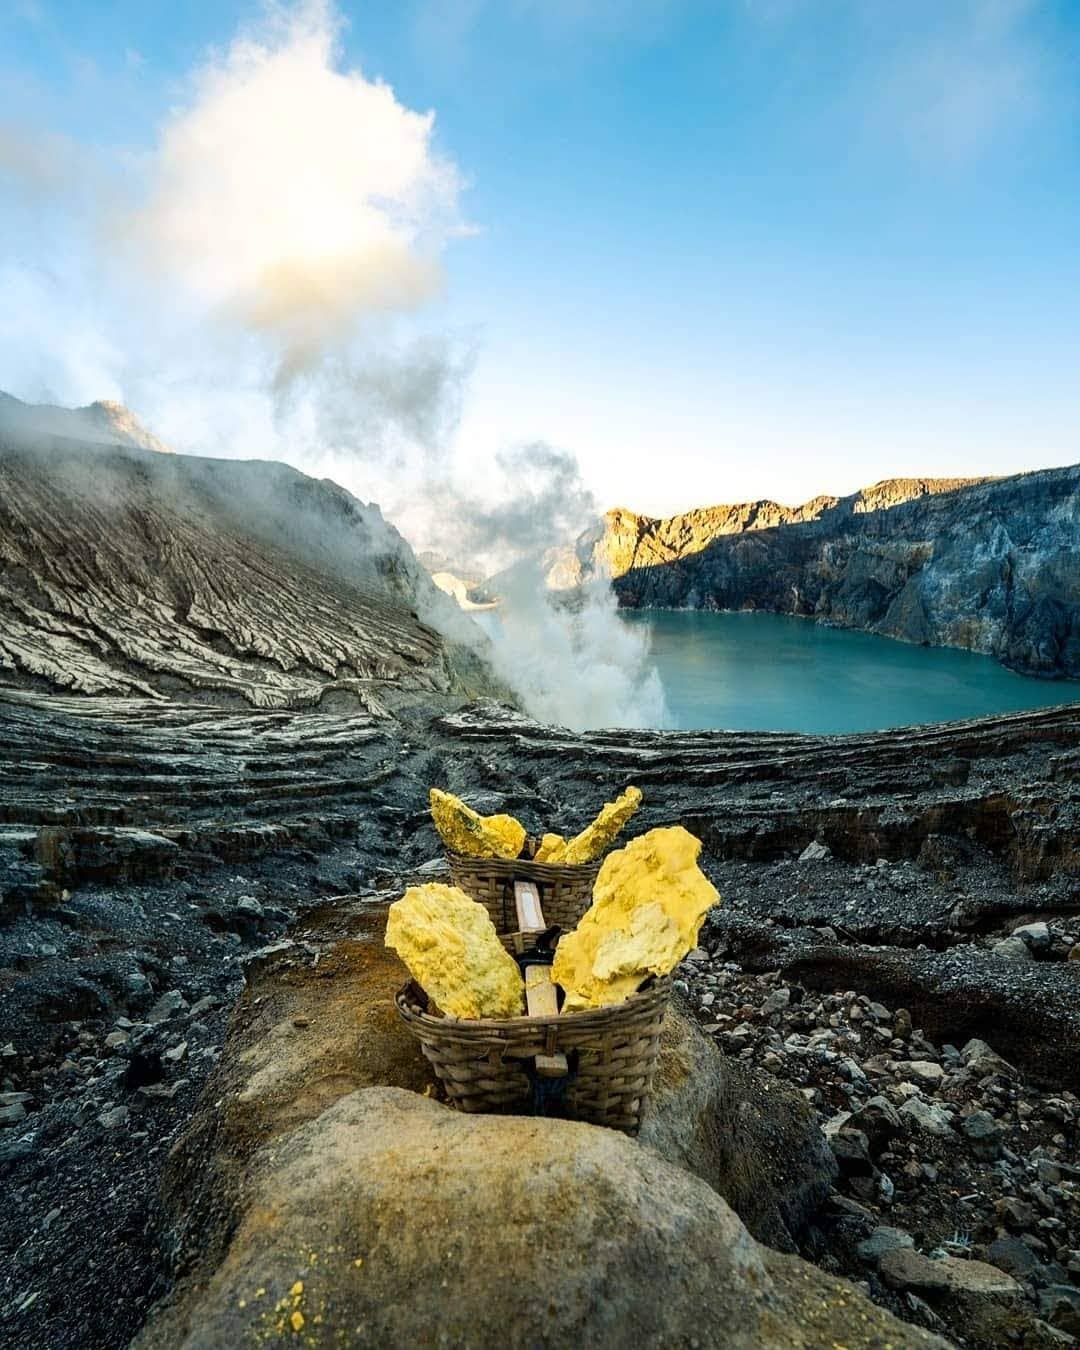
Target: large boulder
321,1170
390,1220
751,1137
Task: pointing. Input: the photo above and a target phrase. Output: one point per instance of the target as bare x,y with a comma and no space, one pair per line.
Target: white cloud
294,198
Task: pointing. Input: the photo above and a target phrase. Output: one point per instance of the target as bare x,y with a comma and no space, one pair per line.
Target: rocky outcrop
127,571
390,1221
630,541
305,1197
753,1142
103,423
317,1022
991,566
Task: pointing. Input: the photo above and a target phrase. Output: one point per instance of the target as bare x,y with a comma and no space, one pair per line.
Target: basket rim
501,1027
465,860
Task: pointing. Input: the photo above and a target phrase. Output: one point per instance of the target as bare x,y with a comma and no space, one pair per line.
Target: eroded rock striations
128,571
991,566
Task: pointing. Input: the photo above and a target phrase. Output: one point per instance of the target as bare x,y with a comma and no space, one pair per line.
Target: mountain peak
118,419
104,422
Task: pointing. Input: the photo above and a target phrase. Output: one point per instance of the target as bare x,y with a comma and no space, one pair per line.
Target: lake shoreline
823,621
755,670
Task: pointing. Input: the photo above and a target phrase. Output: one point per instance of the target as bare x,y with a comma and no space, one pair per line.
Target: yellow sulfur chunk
462,830
592,842
550,847
648,905
451,949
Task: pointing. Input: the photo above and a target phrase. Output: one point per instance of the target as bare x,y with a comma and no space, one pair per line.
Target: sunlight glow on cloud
294,198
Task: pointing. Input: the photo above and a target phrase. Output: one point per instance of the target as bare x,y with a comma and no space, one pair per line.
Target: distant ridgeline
989,565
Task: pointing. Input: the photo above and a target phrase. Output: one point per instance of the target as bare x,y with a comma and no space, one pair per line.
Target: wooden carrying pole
541,996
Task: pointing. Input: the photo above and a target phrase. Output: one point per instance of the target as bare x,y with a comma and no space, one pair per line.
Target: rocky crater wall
124,571
990,566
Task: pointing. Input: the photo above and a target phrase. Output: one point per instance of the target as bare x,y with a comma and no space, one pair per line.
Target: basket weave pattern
565,889
479,1063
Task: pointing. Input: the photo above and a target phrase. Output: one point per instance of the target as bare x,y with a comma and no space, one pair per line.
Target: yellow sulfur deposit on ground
462,830
550,847
648,905
451,949
601,834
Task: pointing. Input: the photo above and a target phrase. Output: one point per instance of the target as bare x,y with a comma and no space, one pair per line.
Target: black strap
548,1093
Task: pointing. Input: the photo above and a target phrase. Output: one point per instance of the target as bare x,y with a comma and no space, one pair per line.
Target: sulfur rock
592,842
450,947
649,902
550,847
464,831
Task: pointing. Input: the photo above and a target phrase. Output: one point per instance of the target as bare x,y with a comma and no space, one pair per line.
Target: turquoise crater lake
772,672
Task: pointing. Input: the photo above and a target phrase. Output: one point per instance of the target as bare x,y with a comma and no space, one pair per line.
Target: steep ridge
632,541
989,565
128,571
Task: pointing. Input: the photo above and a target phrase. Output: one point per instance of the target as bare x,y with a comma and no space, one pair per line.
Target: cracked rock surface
124,571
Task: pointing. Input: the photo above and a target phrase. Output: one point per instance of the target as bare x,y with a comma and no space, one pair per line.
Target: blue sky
716,250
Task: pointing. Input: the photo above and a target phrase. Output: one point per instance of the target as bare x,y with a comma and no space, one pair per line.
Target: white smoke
580,667
292,218
570,657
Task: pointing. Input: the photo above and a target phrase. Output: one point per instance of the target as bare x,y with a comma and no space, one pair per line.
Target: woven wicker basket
483,1065
565,890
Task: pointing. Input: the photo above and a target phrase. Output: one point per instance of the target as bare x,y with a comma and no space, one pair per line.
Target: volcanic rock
988,565
127,571
926,1116
905,1268
752,1140
983,1133
546,1231
305,1036
1011,949
883,1240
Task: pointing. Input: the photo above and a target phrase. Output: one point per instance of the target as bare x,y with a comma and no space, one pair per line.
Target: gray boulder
752,1139
390,1220
883,1240
1036,935
1012,949
927,1116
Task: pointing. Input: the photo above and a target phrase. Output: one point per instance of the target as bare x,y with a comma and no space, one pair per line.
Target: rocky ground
899,916
944,1150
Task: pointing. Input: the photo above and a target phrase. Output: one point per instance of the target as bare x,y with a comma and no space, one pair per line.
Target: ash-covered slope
991,565
126,571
